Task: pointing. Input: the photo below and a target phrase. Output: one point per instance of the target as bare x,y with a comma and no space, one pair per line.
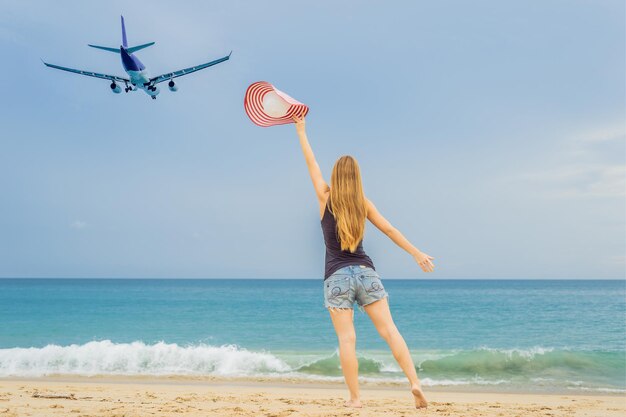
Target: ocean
514,335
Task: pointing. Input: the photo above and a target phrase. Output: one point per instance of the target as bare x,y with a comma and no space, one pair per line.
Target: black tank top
335,257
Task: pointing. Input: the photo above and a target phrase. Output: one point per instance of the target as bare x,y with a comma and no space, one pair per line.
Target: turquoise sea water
514,335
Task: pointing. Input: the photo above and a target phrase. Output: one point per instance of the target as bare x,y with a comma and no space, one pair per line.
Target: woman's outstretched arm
377,219
321,187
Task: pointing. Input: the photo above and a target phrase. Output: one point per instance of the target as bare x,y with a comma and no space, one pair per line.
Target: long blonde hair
348,202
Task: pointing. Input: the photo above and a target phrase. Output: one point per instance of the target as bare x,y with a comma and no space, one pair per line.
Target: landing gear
153,97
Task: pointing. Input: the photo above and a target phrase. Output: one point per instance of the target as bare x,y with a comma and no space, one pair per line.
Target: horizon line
279,278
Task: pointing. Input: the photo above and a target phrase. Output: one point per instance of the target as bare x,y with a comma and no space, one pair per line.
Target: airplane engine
172,86
115,88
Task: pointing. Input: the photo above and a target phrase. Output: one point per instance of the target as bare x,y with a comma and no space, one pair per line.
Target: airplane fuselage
136,70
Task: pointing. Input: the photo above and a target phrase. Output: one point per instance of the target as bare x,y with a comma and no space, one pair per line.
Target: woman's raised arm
377,219
321,187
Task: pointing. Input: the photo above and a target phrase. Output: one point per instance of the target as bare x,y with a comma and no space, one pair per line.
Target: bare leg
343,321
379,313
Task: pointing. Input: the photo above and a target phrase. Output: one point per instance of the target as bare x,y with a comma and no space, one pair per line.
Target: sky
491,134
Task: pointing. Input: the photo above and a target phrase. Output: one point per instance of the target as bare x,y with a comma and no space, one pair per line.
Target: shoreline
110,396
282,382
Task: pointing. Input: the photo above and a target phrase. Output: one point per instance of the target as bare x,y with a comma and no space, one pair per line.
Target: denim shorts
350,283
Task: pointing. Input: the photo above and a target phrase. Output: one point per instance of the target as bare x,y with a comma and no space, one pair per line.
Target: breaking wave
537,367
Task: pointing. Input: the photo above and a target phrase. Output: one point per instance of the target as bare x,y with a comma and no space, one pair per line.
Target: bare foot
420,400
353,403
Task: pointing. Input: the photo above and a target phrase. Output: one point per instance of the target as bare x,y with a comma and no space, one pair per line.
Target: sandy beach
146,396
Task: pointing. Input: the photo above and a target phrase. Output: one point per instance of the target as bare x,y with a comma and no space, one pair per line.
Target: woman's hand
300,124
424,261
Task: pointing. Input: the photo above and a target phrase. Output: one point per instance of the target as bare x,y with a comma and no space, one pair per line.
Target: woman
350,273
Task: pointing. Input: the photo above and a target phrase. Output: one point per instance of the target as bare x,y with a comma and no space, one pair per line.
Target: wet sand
178,396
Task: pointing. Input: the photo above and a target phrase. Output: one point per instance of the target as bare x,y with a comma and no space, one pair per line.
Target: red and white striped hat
268,106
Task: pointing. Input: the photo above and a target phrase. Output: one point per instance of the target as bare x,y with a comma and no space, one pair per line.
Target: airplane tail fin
124,42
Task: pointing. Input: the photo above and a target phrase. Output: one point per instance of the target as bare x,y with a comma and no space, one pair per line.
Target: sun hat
268,106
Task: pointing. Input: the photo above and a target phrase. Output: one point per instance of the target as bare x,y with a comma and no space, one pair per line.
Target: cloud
608,133
589,164
618,260
78,225
593,180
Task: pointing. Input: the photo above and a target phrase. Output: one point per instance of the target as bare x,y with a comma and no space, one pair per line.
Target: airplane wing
180,73
89,73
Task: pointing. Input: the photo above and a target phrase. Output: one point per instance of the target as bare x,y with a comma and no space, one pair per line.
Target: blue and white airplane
138,75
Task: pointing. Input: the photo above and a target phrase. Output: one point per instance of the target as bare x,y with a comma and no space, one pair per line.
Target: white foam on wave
604,390
456,382
528,353
136,358
164,359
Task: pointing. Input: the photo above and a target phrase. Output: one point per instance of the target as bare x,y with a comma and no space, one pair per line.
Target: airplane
138,76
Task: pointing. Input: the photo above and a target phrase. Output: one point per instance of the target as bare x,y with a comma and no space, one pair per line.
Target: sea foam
536,367
137,358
